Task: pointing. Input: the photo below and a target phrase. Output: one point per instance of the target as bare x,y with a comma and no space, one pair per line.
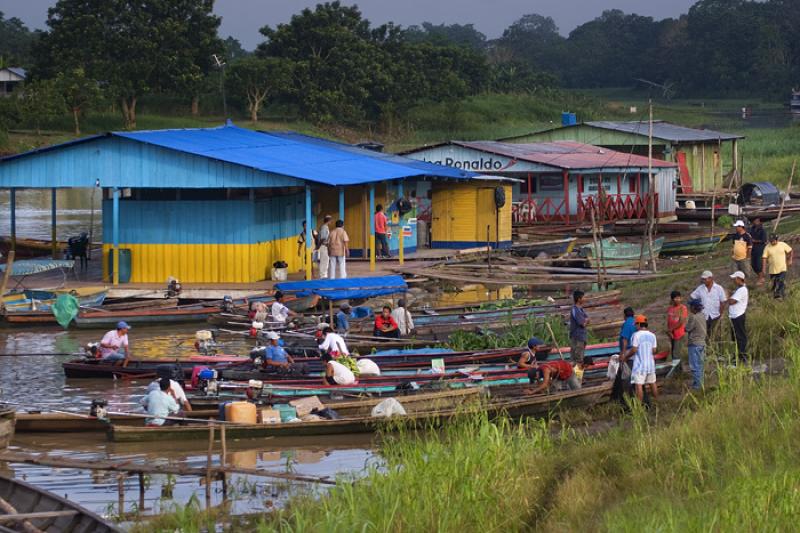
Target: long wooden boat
617,253
553,248
749,211
515,407
45,511
91,368
693,245
7,421
28,248
33,306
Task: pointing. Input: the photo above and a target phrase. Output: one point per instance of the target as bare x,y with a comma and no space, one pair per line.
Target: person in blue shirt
578,320
276,357
627,330
343,319
159,404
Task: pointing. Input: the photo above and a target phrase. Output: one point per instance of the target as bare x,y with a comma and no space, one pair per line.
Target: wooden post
115,235
372,251
208,459
783,199
488,248
566,196
365,221
309,231
6,275
330,313
341,203
400,236
54,242
141,490
224,461
121,492
652,192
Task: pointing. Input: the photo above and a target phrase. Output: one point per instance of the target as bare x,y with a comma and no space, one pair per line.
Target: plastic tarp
28,267
345,289
65,309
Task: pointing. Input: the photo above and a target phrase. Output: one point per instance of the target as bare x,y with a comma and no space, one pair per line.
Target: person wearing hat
713,297
759,235
742,249
778,257
342,319
114,345
175,388
324,234
696,335
335,372
643,345
527,359
737,312
276,358
332,343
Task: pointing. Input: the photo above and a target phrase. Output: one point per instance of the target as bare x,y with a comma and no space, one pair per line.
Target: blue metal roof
273,156
19,71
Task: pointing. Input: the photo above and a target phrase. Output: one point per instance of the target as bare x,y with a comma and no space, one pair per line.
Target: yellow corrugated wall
468,209
207,263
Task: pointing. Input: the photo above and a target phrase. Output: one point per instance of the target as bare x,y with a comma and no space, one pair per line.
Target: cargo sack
65,309
388,408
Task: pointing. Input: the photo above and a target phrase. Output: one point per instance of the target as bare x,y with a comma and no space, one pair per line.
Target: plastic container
241,413
222,408
287,411
124,265
279,274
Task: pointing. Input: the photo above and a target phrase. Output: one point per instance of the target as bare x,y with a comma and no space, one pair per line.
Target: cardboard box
305,405
269,416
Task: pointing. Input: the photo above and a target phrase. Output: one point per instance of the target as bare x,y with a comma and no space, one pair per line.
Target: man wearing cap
114,346
742,248
737,310
778,257
713,298
759,235
696,334
527,359
276,357
643,345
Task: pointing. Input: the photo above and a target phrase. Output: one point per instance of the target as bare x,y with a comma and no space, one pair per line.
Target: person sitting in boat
114,346
276,358
527,359
546,373
402,317
335,372
259,312
385,325
281,313
332,343
342,319
175,388
160,404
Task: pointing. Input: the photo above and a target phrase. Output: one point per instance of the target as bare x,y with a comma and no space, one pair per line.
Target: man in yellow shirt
778,258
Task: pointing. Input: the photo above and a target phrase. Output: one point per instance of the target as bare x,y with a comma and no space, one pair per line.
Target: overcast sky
243,18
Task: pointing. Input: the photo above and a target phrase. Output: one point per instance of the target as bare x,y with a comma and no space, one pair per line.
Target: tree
256,79
234,49
79,93
16,42
446,35
533,39
40,101
131,46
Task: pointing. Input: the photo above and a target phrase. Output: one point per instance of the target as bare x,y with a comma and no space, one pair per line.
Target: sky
243,18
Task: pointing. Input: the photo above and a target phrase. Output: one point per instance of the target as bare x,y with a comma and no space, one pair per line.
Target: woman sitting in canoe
385,325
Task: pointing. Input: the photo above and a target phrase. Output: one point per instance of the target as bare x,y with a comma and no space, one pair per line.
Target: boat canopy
345,289
28,267
759,193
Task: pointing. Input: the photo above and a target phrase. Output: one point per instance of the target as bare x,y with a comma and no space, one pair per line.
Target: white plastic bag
388,407
613,367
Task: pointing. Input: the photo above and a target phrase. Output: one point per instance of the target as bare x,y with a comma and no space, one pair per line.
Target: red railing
539,210
612,207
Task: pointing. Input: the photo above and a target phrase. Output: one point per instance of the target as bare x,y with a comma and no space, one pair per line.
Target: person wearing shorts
643,345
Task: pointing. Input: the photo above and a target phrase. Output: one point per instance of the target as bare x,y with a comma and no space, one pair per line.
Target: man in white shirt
403,319
159,404
713,297
737,311
175,389
333,343
336,373
643,345
280,313
114,346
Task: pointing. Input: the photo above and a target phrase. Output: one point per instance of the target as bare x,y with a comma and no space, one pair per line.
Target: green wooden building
699,153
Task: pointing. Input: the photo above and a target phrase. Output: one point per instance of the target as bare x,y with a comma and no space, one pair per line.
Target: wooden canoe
28,248
515,407
7,421
617,253
33,307
90,368
695,245
552,248
46,511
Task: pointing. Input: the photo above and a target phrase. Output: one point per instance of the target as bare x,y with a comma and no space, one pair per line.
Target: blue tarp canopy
345,289
28,267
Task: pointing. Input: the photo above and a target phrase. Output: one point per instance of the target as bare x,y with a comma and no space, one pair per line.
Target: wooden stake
141,490
223,461
121,492
6,275
783,200
651,214
208,464
555,341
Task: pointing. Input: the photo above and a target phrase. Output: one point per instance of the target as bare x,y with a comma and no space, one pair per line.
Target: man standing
742,248
381,239
713,298
403,318
737,311
578,320
114,345
696,332
642,347
778,256
676,324
324,237
338,250
759,235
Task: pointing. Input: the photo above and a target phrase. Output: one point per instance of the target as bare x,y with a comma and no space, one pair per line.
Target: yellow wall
207,263
461,212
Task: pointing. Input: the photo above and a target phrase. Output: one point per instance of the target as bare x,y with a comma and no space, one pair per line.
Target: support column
54,242
309,227
341,203
371,227
400,236
12,196
115,235
566,196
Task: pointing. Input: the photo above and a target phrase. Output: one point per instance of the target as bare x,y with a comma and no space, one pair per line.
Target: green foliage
446,35
513,337
40,102
16,42
725,221
255,79
80,93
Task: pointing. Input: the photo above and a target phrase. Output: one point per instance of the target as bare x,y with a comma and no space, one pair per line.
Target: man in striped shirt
643,344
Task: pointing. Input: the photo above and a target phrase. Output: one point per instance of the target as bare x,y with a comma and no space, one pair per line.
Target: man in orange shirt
381,239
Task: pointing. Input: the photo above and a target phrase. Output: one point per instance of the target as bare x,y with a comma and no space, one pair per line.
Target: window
550,184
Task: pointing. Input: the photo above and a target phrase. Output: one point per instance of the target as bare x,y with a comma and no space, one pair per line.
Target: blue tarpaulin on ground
345,289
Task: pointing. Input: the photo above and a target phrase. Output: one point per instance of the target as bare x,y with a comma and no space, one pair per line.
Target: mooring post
121,491
224,461
208,464
141,490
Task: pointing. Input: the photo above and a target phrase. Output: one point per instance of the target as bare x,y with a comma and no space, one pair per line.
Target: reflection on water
36,381
75,214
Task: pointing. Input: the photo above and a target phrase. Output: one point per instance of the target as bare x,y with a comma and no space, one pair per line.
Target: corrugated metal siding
474,160
584,134
468,209
665,185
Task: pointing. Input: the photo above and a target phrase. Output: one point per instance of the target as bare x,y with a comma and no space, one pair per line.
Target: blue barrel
124,265
568,119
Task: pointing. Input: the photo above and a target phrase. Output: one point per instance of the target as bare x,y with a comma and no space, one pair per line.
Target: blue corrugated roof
19,71
294,155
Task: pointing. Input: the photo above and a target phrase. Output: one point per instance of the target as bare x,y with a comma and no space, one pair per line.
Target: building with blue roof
11,78
223,204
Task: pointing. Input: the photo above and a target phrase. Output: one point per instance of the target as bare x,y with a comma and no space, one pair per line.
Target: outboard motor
258,356
207,381
173,287
92,350
205,342
227,304
99,409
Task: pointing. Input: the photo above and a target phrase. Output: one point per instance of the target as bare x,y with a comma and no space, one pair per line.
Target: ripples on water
38,381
